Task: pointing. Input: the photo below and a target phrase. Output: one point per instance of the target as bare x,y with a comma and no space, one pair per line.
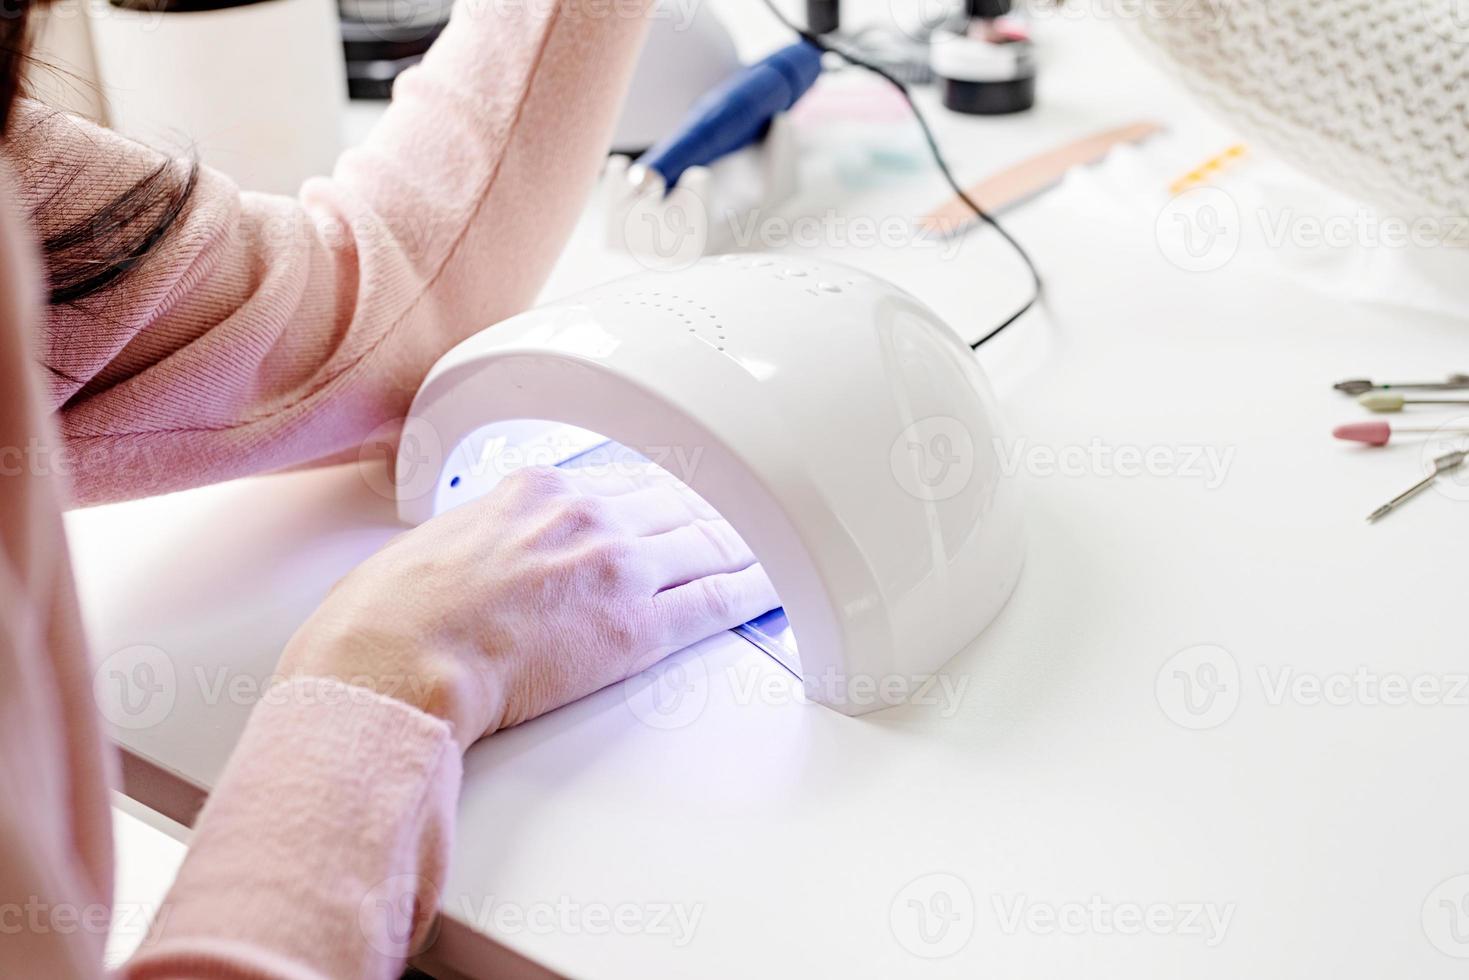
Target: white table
1083,808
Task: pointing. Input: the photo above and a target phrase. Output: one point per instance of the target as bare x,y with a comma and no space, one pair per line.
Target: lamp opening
493,451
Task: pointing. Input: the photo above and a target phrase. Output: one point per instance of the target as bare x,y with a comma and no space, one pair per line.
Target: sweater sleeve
322,850
1364,94
269,331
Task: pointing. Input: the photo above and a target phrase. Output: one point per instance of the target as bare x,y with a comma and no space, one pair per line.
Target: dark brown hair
87,256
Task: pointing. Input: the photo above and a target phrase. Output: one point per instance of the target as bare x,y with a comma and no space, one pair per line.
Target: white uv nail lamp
843,430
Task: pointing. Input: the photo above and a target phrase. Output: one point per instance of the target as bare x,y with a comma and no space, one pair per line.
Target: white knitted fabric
1370,95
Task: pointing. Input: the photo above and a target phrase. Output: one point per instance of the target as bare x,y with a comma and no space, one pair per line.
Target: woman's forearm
322,849
269,331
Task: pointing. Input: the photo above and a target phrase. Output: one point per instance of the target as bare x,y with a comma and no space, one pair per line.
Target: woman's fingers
643,500
658,509
616,480
704,547
712,604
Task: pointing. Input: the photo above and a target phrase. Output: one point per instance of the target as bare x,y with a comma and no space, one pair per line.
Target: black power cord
938,158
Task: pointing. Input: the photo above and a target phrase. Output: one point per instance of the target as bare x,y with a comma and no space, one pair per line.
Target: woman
166,330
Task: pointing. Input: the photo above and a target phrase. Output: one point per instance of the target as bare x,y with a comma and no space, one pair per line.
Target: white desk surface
1061,817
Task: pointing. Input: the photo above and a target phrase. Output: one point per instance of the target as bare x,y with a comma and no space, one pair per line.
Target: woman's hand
555,584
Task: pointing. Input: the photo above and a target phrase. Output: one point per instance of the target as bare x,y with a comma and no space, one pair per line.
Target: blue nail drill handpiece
732,115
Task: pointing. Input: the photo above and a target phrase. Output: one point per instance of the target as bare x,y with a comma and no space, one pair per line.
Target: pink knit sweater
268,332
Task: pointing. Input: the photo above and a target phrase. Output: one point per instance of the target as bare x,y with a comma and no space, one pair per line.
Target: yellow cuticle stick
1201,173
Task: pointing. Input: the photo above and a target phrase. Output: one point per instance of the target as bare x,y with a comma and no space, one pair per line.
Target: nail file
1030,177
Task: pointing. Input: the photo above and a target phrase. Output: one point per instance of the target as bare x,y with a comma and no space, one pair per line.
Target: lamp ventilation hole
688,314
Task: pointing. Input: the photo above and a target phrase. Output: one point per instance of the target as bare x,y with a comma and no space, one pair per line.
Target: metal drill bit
1393,401
1445,463
1356,386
